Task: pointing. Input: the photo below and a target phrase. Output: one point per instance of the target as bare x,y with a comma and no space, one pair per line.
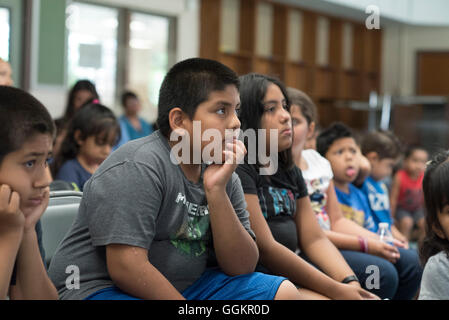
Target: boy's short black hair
384,143
127,95
328,136
411,149
188,84
21,117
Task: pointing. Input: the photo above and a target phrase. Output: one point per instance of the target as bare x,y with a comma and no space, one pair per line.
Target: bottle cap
383,225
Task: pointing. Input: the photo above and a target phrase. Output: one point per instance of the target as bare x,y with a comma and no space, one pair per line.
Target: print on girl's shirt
318,199
276,201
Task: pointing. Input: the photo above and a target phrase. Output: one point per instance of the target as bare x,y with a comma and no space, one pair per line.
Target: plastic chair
58,218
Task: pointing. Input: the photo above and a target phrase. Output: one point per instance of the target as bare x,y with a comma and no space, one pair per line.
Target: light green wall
51,42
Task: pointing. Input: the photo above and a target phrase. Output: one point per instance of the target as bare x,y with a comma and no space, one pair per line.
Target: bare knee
406,224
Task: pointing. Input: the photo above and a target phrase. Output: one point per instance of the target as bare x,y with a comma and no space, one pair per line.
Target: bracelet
363,244
350,279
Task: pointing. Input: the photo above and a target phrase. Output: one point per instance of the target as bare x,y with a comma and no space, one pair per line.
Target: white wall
418,12
400,46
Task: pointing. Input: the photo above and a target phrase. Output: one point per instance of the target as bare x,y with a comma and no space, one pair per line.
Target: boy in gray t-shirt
149,228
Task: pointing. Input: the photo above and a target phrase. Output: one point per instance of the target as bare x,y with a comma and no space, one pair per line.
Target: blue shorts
214,285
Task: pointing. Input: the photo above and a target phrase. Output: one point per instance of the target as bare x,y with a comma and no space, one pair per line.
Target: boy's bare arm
32,280
394,194
11,231
235,250
364,172
131,271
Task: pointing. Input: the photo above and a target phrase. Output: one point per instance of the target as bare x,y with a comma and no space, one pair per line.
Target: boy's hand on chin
217,176
33,217
11,218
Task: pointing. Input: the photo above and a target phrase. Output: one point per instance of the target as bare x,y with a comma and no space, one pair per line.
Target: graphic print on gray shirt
138,197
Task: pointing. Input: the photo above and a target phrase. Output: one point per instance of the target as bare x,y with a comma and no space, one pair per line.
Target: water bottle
385,233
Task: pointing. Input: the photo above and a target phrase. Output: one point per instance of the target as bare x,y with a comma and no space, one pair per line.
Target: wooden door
432,76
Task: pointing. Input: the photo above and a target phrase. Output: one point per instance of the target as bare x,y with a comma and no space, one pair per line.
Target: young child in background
132,126
82,92
434,250
151,227
383,150
339,146
26,138
406,195
5,73
90,137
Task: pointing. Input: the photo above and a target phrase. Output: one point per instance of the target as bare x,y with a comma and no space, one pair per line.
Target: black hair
21,117
384,143
411,149
78,86
127,95
436,197
91,120
253,88
328,136
189,83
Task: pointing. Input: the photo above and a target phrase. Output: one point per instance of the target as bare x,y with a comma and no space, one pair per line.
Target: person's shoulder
145,122
372,186
313,155
316,160
245,168
70,166
356,192
401,174
144,148
70,163
150,151
440,261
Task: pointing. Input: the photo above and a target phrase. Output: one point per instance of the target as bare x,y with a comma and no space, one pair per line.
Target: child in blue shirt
355,207
382,149
338,145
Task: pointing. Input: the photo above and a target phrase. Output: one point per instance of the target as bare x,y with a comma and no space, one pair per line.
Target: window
148,55
92,47
4,33
119,49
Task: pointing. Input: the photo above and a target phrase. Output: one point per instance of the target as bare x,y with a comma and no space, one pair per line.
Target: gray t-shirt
435,278
138,197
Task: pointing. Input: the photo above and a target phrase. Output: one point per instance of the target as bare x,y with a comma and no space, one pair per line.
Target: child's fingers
238,148
14,203
230,157
5,195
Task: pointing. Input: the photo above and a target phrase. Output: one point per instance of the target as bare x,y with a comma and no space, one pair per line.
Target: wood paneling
325,84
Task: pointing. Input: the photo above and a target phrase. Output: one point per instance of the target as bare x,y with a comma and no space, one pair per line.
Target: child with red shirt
406,198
